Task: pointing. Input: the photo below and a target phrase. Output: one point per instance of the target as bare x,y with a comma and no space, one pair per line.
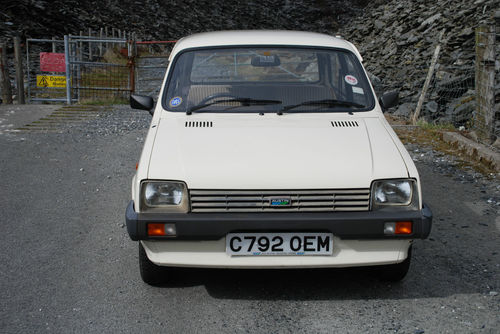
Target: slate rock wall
397,39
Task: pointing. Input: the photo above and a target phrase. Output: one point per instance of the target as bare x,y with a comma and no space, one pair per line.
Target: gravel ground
69,266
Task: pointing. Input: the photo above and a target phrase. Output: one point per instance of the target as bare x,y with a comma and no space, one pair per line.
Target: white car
269,149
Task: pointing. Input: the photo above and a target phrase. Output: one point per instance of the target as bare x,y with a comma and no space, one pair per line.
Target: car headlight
164,196
399,194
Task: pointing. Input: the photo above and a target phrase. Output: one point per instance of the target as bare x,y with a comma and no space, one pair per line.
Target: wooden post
19,70
484,117
80,57
131,64
68,69
427,81
4,76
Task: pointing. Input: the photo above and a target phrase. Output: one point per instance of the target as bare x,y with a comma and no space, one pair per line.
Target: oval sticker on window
175,102
351,80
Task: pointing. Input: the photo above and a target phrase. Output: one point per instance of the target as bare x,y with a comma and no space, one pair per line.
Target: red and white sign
351,80
52,62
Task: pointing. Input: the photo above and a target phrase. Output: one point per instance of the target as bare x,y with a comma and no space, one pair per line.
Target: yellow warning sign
57,81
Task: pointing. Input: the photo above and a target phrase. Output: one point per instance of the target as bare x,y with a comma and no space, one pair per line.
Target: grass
436,126
431,135
116,78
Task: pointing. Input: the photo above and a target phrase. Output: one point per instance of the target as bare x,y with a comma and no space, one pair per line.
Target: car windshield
267,79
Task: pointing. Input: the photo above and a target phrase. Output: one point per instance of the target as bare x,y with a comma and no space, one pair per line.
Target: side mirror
389,100
142,102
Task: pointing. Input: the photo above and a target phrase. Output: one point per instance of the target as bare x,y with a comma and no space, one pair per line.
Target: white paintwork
292,151
346,253
261,37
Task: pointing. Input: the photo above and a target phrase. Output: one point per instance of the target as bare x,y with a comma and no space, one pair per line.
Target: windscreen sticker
351,80
358,90
267,59
175,102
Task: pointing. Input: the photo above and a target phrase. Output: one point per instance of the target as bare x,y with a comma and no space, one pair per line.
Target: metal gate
87,69
151,61
101,69
46,70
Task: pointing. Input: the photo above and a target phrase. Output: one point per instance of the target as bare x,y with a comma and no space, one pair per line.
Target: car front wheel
395,272
151,273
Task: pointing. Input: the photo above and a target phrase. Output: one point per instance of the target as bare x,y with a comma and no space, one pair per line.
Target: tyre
395,272
151,273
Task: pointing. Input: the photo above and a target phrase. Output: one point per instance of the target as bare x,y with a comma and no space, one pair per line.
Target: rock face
397,40
154,19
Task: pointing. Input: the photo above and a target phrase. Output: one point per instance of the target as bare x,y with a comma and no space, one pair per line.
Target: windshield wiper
245,101
319,103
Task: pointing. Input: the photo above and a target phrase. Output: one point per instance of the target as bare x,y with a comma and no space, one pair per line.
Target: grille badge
281,201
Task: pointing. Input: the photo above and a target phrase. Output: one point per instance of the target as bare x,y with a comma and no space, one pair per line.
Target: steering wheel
216,95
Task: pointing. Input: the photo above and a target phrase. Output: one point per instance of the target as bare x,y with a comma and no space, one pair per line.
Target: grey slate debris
159,20
397,40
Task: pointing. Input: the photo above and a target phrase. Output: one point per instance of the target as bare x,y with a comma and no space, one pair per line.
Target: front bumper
214,226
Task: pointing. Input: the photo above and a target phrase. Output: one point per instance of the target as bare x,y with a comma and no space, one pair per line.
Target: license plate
254,244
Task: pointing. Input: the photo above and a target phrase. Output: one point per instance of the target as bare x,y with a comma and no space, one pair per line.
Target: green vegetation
104,85
436,126
431,135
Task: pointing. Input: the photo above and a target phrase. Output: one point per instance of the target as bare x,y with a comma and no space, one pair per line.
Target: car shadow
276,284
315,284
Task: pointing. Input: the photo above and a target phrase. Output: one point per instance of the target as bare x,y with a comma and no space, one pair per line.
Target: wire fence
450,98
447,98
464,95
100,69
100,82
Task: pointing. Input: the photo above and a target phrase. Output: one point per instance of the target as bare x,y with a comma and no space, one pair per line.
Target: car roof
262,37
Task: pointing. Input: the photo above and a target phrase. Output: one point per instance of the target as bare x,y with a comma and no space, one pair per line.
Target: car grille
280,200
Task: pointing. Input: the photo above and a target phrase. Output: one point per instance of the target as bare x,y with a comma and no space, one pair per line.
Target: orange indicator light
156,229
403,228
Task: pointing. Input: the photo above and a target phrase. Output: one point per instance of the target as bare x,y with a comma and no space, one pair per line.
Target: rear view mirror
389,100
266,61
142,102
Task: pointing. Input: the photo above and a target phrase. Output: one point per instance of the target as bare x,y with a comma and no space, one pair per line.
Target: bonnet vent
199,124
345,124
